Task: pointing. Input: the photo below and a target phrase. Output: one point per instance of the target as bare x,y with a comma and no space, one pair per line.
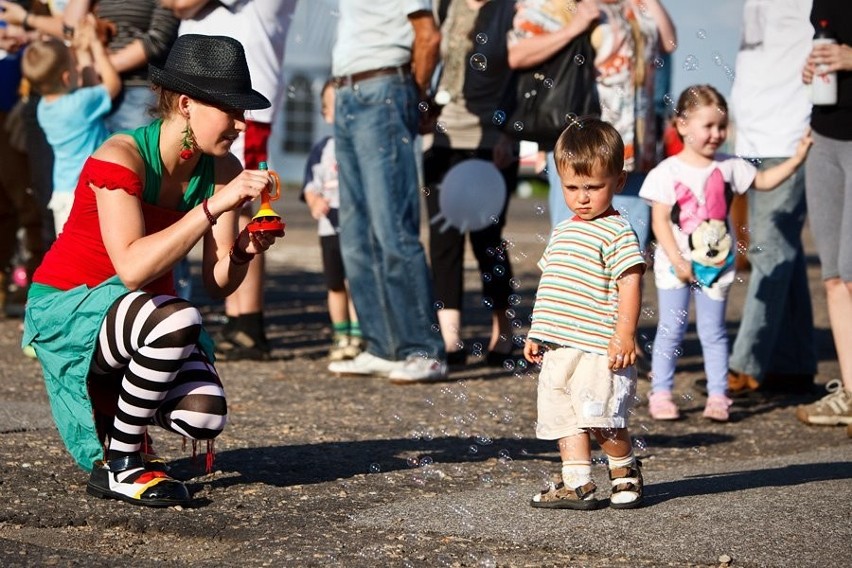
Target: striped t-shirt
577,300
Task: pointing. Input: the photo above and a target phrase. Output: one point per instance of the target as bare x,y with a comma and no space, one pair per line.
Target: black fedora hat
212,69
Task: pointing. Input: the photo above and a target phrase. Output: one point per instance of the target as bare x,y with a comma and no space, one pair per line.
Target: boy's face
590,197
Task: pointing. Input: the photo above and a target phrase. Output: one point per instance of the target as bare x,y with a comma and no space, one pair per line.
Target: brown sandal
560,497
626,481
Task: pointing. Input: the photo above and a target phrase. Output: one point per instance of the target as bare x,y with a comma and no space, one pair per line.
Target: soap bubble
690,63
478,62
472,192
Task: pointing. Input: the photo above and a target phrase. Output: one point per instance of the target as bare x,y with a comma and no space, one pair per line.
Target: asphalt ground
316,470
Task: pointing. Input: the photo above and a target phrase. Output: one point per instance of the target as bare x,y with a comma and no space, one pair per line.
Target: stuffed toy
705,222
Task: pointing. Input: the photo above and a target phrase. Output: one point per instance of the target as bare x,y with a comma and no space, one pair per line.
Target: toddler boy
584,322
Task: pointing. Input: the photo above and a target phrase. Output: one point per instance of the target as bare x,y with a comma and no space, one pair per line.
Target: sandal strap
621,472
585,490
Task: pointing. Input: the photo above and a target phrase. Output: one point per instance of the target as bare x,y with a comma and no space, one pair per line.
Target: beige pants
577,391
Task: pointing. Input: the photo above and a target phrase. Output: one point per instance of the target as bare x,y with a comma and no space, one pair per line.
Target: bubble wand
266,220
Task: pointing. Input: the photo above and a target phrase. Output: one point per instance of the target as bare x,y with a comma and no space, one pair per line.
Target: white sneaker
417,369
365,364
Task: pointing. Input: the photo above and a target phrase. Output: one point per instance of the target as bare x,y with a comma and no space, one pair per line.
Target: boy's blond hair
589,142
43,64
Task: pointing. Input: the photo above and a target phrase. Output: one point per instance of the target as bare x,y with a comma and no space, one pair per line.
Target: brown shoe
741,384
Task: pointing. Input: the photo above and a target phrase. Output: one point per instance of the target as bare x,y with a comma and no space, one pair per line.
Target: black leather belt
349,80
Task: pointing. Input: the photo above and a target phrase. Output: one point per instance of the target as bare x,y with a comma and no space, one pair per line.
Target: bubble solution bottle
824,85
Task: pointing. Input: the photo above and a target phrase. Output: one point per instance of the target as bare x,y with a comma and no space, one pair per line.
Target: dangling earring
187,143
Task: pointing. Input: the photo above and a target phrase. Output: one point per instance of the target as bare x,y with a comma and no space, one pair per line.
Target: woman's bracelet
210,216
239,257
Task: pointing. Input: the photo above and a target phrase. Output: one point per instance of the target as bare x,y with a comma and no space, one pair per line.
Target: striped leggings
148,351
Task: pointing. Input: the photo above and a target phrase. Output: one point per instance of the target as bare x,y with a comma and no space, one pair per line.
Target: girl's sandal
560,497
627,486
150,487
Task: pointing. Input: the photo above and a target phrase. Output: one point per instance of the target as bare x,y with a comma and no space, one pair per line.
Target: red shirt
79,256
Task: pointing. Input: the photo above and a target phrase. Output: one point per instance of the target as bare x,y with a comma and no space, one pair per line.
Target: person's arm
16,15
665,26
532,50
661,215
75,11
769,179
154,44
317,204
426,49
102,64
227,252
139,258
622,348
82,46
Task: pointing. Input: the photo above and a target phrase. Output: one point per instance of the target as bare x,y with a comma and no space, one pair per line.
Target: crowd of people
128,196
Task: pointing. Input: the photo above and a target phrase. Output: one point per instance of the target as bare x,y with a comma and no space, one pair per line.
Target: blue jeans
130,109
776,330
628,203
673,312
375,128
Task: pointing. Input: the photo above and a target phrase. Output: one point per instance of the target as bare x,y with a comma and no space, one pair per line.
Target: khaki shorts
577,391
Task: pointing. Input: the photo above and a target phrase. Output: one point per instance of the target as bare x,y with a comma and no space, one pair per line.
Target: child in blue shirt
77,84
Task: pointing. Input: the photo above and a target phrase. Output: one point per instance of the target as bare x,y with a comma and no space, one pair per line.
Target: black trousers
446,247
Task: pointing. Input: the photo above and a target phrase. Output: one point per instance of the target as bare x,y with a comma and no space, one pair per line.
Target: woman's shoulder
121,149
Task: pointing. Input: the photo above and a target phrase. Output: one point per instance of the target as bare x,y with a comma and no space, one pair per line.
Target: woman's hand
247,186
827,58
254,242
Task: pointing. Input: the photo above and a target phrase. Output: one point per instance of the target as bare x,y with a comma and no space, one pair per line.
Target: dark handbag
548,94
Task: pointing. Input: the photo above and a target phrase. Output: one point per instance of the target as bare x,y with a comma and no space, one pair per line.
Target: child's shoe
716,408
559,496
339,345
627,486
354,347
662,407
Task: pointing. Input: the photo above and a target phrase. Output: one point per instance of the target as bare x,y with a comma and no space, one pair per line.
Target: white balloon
472,195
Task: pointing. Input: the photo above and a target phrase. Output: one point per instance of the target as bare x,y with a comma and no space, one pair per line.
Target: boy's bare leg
614,442
624,471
